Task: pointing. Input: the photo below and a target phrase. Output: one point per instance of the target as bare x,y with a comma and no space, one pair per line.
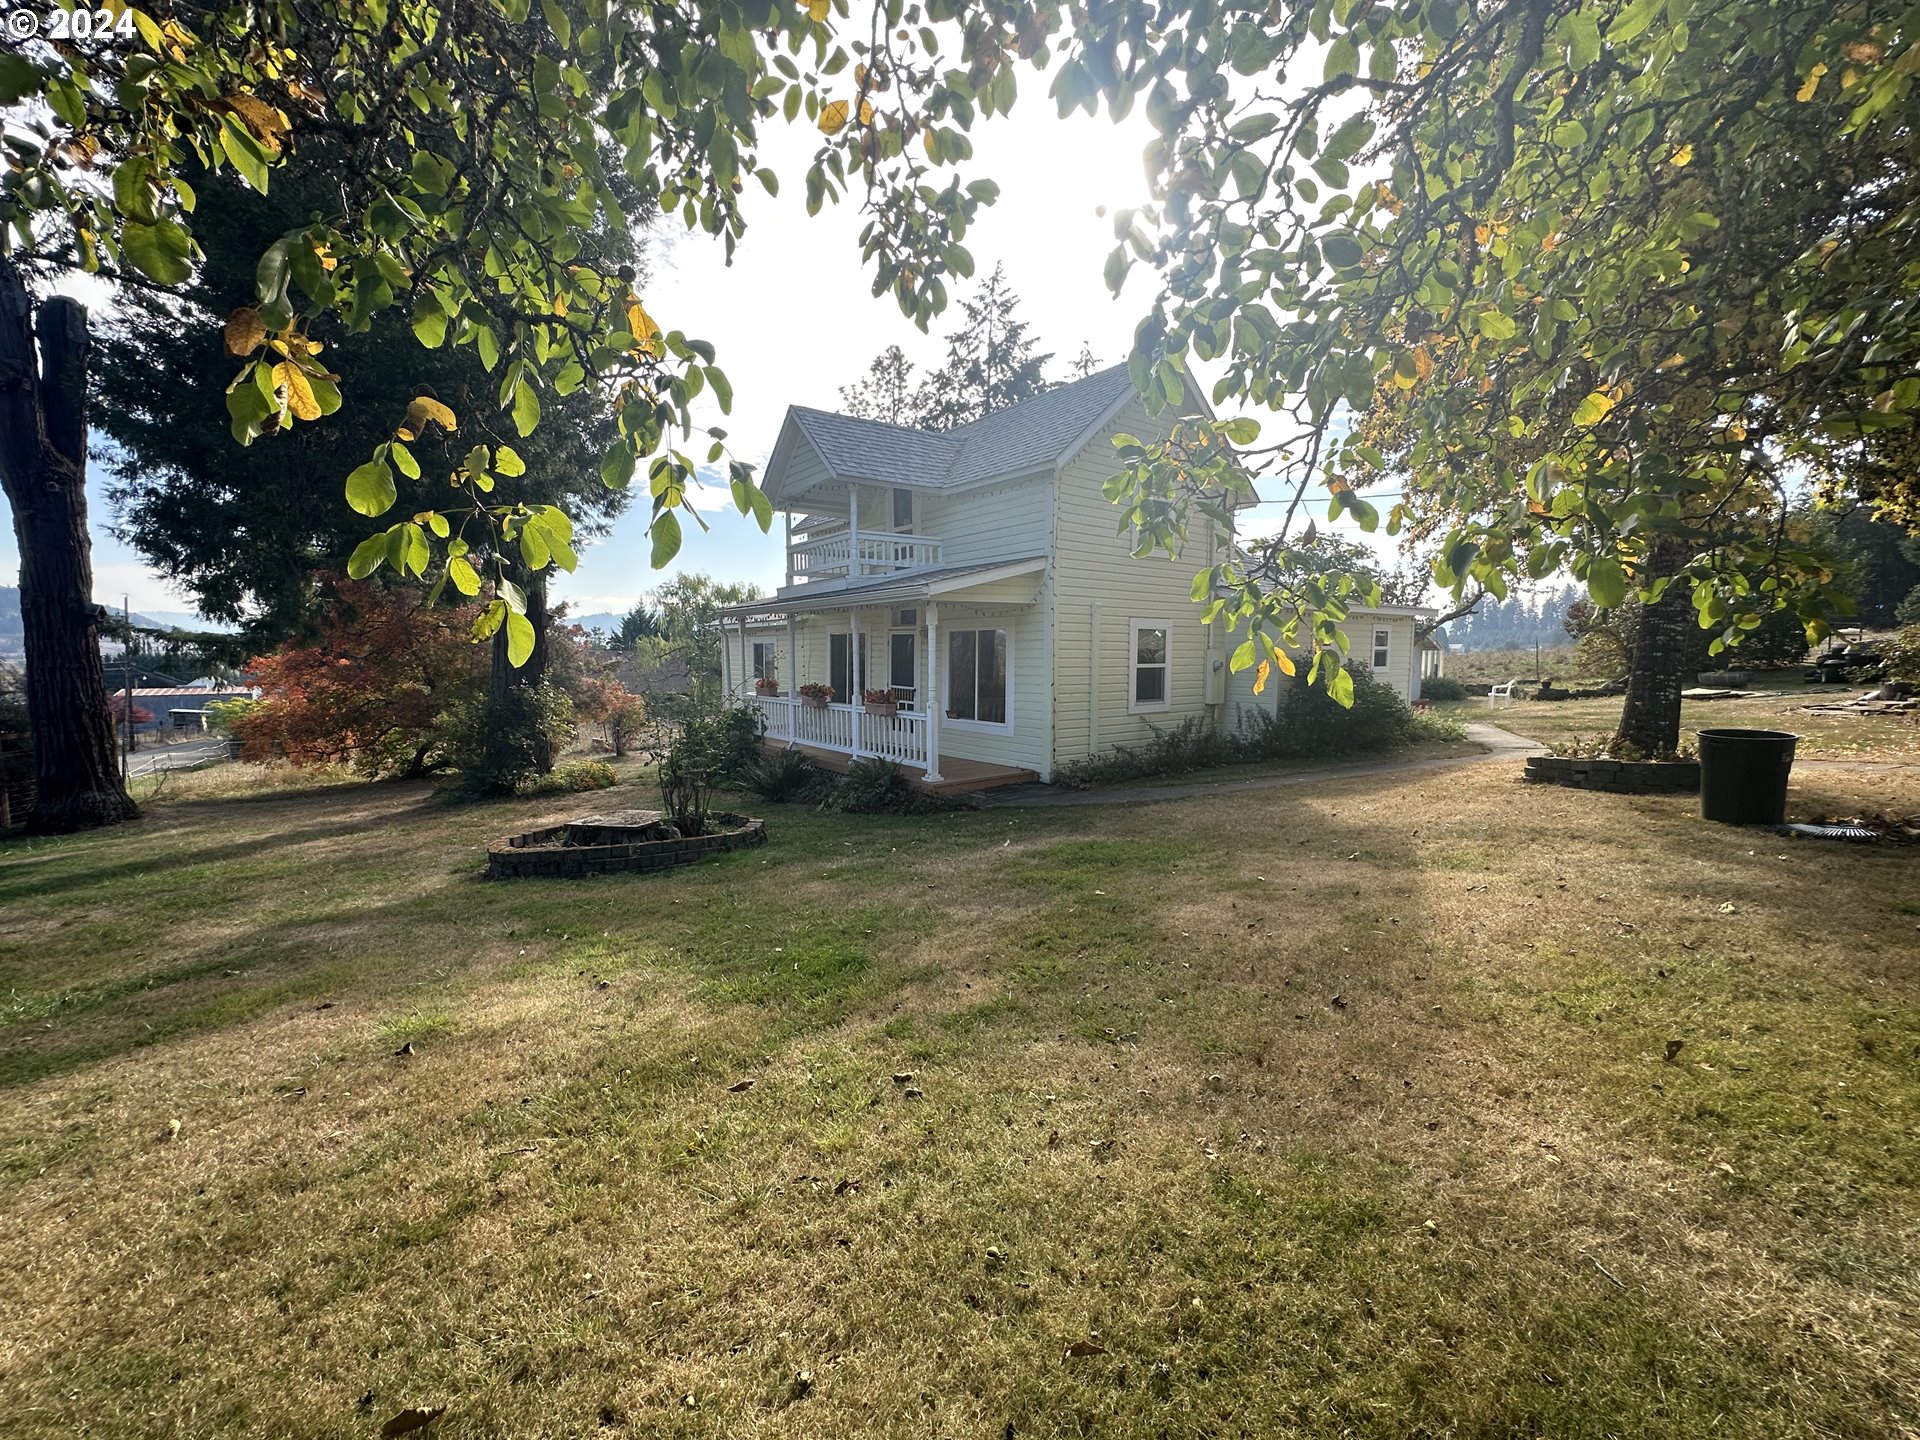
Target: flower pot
889,707
815,702
953,714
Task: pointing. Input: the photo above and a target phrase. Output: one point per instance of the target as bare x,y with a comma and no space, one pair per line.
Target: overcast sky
793,320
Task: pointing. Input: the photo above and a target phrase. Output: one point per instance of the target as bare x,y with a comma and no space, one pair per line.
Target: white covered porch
864,672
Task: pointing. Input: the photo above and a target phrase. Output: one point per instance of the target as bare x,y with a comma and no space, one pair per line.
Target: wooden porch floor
957,776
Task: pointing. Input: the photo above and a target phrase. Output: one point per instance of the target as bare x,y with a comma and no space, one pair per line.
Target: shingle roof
1032,435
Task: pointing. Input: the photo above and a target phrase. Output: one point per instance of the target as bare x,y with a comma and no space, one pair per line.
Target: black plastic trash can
1743,775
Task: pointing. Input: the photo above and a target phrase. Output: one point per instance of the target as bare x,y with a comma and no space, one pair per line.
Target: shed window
1152,665
977,676
1382,648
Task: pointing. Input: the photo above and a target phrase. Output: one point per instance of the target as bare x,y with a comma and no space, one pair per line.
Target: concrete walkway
1497,744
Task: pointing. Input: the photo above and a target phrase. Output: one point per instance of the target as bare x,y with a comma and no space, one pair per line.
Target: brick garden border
537,852
1620,777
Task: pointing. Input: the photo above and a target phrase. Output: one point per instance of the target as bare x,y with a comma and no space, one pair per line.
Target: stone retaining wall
1623,777
539,852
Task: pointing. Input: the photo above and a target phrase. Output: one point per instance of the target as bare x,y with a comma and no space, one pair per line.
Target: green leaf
1606,581
370,489
666,538
429,323
1633,20
507,461
526,408
245,152
519,639
1340,686
403,458
616,466
465,578
158,251
368,556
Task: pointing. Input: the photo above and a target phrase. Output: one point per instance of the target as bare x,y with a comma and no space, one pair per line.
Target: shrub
782,776
1441,688
1310,724
1908,612
686,786
501,744
224,715
578,776
1423,726
722,739
880,787
1901,651
1190,745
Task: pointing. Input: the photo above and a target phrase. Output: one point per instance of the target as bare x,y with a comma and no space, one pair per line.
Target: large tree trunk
1650,718
43,468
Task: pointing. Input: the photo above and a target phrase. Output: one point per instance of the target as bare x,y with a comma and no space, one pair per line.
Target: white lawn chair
1502,692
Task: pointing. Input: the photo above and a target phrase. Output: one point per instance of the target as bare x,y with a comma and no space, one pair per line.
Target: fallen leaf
1674,1047
904,1077
1086,1347
172,1132
913,1092
740,1087
406,1049
408,1421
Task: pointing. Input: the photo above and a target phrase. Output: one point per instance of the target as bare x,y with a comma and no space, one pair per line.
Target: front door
903,667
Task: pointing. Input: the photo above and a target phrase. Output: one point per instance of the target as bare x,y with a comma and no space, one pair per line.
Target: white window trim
1382,641
950,722
1135,706
770,669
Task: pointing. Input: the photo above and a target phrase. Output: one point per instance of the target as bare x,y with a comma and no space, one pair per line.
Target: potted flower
816,695
881,702
766,685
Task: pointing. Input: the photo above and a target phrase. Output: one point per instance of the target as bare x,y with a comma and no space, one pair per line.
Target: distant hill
609,623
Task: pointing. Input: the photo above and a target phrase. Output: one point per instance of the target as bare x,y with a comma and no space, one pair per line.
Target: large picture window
1152,680
977,676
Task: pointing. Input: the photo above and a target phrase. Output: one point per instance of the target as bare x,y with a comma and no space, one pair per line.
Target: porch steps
957,776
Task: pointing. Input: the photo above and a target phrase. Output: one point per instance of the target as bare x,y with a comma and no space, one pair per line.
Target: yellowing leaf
420,410
833,117
291,378
1682,157
1260,678
866,112
643,328
1592,410
244,331
1283,660
266,123
1805,92
818,10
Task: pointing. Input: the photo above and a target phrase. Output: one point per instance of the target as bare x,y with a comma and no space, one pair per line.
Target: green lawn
1824,735
1327,1111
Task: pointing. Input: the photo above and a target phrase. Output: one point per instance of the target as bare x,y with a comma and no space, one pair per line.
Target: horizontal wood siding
1098,590
993,522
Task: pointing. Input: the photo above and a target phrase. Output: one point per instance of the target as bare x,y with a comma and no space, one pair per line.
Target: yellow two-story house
964,603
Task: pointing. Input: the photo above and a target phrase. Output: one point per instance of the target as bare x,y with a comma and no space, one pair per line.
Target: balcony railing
839,556
849,729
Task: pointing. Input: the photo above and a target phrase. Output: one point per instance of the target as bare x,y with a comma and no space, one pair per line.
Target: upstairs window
903,512
977,676
1152,665
1382,647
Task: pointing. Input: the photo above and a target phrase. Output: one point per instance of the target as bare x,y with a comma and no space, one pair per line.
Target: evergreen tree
887,393
990,361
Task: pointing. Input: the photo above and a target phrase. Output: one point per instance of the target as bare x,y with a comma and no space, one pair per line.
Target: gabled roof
1035,434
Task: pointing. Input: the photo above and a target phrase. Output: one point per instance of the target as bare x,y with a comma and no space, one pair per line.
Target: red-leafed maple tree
371,689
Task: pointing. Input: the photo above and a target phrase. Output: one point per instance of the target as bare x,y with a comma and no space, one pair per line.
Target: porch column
793,681
853,532
856,687
788,515
746,661
933,693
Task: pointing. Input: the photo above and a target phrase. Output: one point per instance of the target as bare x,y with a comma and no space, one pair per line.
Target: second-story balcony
846,555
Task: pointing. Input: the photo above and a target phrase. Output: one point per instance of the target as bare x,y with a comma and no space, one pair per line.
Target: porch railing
901,737
836,556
